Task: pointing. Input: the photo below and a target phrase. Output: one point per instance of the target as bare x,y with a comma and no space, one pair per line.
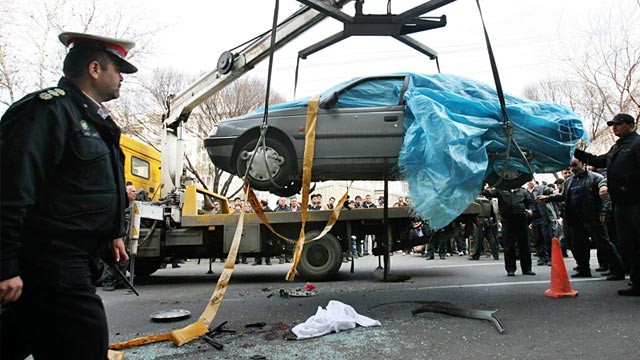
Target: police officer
515,207
62,203
623,176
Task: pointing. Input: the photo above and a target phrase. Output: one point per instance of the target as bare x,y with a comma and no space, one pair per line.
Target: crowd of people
595,204
359,244
315,203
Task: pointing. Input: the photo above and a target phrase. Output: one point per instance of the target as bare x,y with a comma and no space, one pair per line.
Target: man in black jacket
623,176
515,207
586,215
62,203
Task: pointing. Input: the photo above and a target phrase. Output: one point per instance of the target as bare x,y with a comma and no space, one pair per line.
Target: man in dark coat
623,176
515,207
62,203
586,215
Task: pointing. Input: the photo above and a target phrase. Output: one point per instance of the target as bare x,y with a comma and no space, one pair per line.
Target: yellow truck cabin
141,166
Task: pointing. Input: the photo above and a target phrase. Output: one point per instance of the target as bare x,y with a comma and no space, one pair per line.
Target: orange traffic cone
560,286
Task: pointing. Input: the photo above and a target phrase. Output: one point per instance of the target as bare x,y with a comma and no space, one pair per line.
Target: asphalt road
595,325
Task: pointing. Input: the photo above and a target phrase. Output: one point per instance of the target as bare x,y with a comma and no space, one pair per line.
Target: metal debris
461,312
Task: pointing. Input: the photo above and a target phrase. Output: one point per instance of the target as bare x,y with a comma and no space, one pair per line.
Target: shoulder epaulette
51,93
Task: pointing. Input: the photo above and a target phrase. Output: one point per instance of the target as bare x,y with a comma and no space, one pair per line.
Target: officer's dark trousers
485,229
580,234
514,233
628,226
58,316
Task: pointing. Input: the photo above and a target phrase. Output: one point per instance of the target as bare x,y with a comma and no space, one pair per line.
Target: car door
361,133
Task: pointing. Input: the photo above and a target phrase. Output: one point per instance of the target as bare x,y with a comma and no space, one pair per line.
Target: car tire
281,160
509,180
320,259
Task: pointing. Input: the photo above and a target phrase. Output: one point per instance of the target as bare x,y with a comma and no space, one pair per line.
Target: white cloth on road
336,317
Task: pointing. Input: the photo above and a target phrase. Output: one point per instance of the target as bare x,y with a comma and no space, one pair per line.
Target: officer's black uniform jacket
589,206
62,178
623,168
512,203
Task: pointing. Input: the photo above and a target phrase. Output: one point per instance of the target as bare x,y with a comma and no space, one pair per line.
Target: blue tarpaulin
453,126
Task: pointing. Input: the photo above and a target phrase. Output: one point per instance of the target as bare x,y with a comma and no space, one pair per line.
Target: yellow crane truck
177,222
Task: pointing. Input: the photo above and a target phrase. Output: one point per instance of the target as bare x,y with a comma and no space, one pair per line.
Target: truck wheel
281,161
146,266
321,259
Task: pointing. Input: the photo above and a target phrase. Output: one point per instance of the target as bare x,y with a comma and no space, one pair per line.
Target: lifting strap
255,204
508,127
309,154
307,165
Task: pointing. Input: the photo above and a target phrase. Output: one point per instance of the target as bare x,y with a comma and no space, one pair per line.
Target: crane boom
230,67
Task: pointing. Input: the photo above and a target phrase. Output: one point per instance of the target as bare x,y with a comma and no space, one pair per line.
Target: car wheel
320,259
276,158
509,179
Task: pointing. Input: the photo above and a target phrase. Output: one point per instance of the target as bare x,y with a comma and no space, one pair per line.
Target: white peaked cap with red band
118,47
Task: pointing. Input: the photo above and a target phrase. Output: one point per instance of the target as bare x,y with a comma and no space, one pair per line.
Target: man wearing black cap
62,203
623,176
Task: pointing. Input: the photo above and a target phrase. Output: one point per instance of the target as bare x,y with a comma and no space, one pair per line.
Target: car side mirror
329,102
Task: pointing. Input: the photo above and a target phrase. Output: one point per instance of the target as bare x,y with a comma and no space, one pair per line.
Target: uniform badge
51,93
88,129
45,96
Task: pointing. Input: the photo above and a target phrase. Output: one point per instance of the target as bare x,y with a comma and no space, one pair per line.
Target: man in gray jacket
542,222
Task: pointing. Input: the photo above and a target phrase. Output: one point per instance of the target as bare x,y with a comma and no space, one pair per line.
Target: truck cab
141,166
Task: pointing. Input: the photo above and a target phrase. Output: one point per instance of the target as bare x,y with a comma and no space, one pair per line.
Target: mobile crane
179,225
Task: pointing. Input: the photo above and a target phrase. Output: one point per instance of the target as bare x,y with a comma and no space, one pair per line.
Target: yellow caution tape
257,208
115,355
333,218
140,341
201,327
221,287
190,332
307,165
255,204
193,331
